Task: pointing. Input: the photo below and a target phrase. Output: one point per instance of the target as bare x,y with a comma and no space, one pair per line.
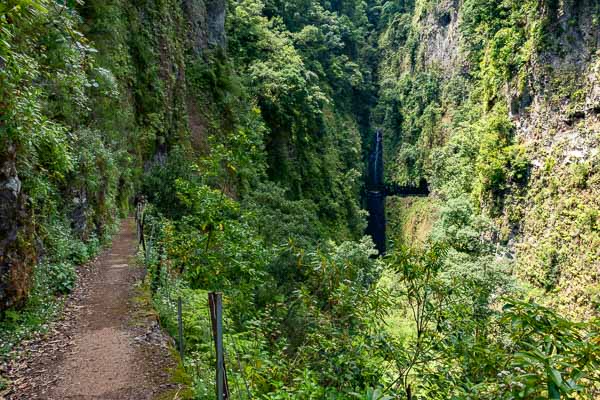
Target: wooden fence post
215,304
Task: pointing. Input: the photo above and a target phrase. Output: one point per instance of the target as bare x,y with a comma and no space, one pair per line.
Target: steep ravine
252,130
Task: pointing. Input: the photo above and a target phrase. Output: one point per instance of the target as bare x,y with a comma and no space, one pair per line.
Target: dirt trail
108,345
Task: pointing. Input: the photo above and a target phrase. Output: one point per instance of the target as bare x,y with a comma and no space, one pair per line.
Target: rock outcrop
17,255
206,21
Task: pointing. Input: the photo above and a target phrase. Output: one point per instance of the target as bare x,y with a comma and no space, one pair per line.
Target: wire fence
222,349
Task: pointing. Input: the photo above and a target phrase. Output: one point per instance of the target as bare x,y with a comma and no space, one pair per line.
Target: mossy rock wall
497,104
96,96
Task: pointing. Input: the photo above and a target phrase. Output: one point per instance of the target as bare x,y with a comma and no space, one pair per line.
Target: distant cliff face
534,69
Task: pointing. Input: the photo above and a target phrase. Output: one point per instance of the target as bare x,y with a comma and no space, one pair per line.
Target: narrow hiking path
108,345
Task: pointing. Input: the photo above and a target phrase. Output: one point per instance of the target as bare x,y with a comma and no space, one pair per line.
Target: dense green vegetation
72,173
251,154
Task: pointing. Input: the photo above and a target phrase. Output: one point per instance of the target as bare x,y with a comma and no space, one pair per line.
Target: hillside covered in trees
247,128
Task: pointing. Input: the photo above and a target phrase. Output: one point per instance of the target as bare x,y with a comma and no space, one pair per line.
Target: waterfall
375,179
377,156
376,195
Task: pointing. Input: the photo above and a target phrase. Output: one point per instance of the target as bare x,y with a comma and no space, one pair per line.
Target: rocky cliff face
206,23
441,38
17,254
558,245
549,222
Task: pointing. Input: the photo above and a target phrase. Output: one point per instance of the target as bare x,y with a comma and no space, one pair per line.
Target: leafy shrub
462,227
279,219
580,174
500,162
552,357
79,252
159,183
63,246
464,346
94,244
60,277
